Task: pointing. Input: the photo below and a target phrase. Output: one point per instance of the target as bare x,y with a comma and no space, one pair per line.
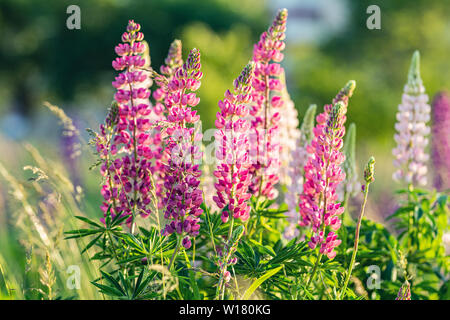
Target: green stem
319,257
225,261
355,248
172,259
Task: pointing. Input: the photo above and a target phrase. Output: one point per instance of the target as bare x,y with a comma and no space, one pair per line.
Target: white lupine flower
289,133
412,130
299,157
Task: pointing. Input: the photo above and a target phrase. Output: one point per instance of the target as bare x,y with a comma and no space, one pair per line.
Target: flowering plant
280,226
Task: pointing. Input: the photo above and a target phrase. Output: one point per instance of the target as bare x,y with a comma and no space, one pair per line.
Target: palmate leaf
112,286
110,291
212,224
246,256
142,283
292,251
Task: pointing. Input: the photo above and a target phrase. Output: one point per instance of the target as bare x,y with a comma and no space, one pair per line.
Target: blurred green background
328,43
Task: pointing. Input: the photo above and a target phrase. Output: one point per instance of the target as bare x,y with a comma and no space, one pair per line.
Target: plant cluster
280,226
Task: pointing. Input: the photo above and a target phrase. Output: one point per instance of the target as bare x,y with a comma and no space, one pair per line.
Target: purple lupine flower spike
412,130
319,205
266,101
232,172
172,62
182,175
404,293
123,142
440,141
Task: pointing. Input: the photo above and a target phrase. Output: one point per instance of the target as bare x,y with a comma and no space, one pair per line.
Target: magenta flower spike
124,142
404,293
319,205
267,87
182,175
412,130
172,62
440,142
232,172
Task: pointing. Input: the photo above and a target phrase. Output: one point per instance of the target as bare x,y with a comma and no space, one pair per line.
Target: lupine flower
172,62
369,172
440,143
69,143
296,173
182,175
319,206
123,142
405,292
265,150
223,264
232,153
412,130
289,133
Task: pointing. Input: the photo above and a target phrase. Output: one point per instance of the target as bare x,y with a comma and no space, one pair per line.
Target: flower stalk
369,178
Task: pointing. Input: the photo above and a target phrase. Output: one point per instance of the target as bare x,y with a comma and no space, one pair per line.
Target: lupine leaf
247,294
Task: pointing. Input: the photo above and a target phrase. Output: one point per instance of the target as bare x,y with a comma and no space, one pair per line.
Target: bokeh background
328,44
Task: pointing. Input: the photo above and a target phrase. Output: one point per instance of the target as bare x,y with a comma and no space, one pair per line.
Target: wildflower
183,195
296,172
319,205
369,173
289,133
412,130
264,125
441,141
405,292
123,140
172,62
69,143
232,172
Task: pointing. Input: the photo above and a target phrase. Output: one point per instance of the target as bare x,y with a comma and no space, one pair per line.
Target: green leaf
80,233
113,281
88,221
258,282
108,290
90,244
